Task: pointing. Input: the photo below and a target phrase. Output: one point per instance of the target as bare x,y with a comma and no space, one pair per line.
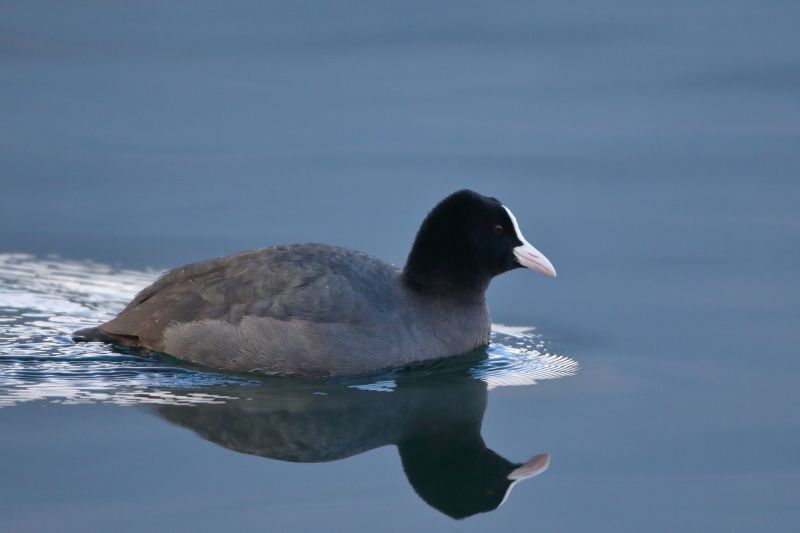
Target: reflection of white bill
535,466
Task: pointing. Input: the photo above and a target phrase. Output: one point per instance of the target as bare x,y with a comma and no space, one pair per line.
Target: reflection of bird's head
462,477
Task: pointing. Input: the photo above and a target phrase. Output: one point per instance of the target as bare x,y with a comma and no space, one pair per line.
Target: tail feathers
98,335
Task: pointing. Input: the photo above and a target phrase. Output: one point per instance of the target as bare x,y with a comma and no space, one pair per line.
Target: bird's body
314,310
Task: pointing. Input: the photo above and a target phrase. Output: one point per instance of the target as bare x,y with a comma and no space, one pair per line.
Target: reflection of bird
435,424
314,310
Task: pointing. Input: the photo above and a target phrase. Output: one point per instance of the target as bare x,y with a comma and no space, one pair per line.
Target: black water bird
314,310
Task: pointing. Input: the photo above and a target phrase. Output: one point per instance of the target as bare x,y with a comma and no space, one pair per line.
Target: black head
464,242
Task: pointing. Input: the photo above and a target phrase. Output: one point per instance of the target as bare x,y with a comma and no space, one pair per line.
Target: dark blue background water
649,149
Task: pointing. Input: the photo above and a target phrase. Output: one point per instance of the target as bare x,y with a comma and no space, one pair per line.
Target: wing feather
310,282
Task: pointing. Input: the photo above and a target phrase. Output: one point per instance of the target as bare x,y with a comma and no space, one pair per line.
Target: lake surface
650,151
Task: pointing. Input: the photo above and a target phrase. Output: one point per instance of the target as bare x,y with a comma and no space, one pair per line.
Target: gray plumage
305,309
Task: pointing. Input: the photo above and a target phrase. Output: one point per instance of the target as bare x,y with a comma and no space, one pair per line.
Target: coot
314,310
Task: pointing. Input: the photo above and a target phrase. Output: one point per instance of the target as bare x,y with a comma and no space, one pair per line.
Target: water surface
650,151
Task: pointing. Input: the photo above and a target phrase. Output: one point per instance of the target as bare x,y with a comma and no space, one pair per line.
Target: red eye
498,229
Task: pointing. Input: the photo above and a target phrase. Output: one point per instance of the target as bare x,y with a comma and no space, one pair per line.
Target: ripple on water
43,300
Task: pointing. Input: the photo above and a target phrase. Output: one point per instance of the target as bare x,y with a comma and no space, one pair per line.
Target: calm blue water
650,150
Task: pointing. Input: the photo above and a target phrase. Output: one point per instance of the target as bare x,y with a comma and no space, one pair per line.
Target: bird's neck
442,271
